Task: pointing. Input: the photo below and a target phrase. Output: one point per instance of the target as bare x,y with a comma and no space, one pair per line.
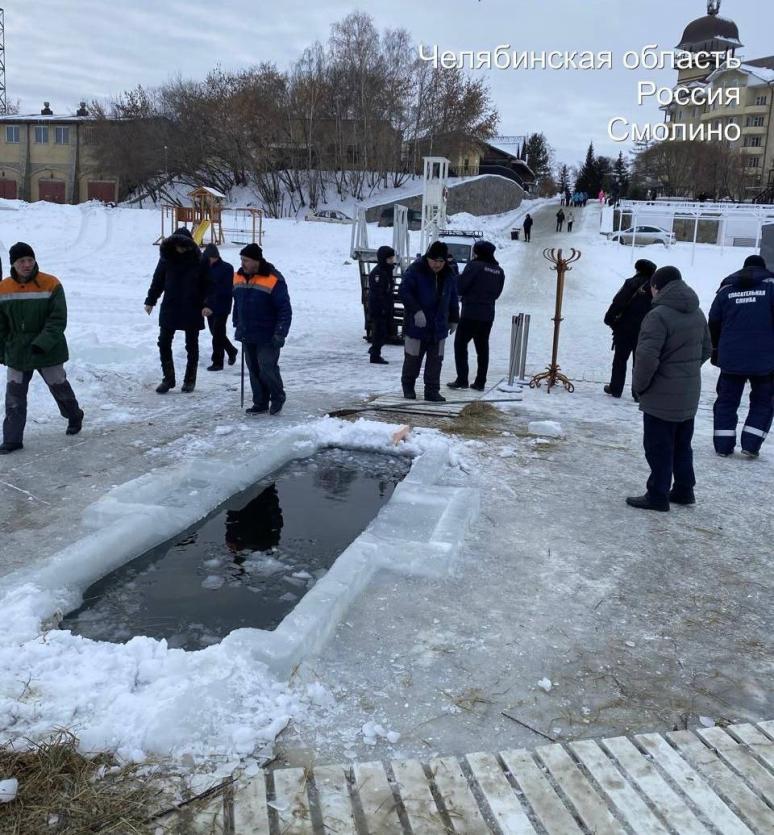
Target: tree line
347,116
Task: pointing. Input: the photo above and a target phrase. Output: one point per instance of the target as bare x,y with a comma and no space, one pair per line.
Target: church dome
710,33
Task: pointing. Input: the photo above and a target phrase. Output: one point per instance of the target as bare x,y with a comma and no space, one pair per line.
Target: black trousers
622,352
479,332
559,225
415,350
265,380
527,233
166,335
380,326
669,453
221,344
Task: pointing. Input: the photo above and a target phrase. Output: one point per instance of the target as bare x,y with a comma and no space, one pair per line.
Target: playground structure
244,225
434,195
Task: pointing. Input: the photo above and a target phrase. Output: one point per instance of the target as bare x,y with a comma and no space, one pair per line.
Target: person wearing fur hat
381,304
33,317
428,291
479,287
182,277
674,343
629,307
218,308
262,316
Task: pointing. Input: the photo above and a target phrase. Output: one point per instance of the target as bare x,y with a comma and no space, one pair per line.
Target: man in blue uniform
741,322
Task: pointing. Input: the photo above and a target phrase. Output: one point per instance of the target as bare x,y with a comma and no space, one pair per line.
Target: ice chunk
224,430
8,789
545,428
213,581
545,684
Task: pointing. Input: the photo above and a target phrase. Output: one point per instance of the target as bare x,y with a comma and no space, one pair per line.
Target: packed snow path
713,781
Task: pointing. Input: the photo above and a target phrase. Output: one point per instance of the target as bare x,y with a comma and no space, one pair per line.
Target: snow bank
142,698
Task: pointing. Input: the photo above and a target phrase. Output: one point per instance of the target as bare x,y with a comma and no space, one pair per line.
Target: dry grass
477,419
63,792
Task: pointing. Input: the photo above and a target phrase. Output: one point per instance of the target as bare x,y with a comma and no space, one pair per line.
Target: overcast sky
63,51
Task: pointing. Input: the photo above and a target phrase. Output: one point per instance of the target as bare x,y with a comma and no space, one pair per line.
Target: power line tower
3,100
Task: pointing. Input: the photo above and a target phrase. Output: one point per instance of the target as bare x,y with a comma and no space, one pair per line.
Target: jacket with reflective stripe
33,317
261,306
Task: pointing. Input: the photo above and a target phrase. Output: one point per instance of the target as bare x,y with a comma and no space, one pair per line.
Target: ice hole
249,562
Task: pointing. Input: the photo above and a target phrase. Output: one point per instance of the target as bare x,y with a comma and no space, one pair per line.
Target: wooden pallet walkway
711,780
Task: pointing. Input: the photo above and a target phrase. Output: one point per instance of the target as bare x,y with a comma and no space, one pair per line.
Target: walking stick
242,387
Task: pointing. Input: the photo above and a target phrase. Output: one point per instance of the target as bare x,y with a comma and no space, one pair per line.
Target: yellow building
45,156
754,80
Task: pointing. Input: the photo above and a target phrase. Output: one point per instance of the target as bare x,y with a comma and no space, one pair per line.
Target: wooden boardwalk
711,780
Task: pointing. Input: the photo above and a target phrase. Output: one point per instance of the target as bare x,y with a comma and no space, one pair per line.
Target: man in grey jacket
673,345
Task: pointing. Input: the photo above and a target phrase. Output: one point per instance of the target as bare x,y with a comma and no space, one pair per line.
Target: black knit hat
20,250
183,230
383,253
211,251
754,261
437,249
252,251
484,249
664,276
645,267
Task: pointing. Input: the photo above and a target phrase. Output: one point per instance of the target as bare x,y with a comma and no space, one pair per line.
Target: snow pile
545,429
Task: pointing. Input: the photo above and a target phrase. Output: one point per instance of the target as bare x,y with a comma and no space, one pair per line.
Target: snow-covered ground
634,620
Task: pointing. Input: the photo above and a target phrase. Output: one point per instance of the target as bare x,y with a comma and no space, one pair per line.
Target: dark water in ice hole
250,562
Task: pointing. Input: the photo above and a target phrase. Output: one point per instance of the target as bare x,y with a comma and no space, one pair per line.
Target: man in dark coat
381,305
181,275
33,317
629,307
479,287
754,267
428,291
559,220
262,316
674,343
221,277
527,226
741,322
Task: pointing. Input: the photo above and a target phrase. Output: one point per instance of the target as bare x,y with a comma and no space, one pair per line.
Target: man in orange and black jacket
261,316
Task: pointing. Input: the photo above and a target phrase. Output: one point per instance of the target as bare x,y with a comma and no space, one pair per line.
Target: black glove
36,349
277,341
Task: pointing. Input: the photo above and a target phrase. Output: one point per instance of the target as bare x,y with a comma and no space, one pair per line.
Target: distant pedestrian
674,343
262,317
33,317
570,220
182,277
479,287
527,226
381,302
741,322
221,275
559,220
629,307
428,291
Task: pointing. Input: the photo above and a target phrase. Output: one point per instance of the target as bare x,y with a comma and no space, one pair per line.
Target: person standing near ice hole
479,287
428,291
33,317
221,275
741,323
182,277
624,317
381,304
261,317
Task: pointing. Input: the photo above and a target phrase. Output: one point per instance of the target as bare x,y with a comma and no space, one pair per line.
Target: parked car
387,218
329,216
644,235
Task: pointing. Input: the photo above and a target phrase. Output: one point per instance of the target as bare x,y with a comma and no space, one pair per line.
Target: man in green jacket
33,317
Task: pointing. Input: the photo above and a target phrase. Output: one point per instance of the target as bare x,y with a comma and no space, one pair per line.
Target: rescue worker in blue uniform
741,322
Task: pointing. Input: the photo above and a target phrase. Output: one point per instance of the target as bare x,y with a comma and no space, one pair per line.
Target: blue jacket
479,287
741,322
221,287
261,305
435,295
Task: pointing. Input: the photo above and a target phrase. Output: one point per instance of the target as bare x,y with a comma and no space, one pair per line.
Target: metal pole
242,387
515,357
695,236
525,343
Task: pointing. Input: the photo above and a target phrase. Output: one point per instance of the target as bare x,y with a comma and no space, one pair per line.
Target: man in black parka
629,307
479,287
182,277
381,304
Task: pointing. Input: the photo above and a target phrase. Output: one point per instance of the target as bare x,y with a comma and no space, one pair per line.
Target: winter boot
478,385
646,503
678,497
168,381
74,424
409,393
434,397
189,381
609,390
378,360
457,384
7,448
